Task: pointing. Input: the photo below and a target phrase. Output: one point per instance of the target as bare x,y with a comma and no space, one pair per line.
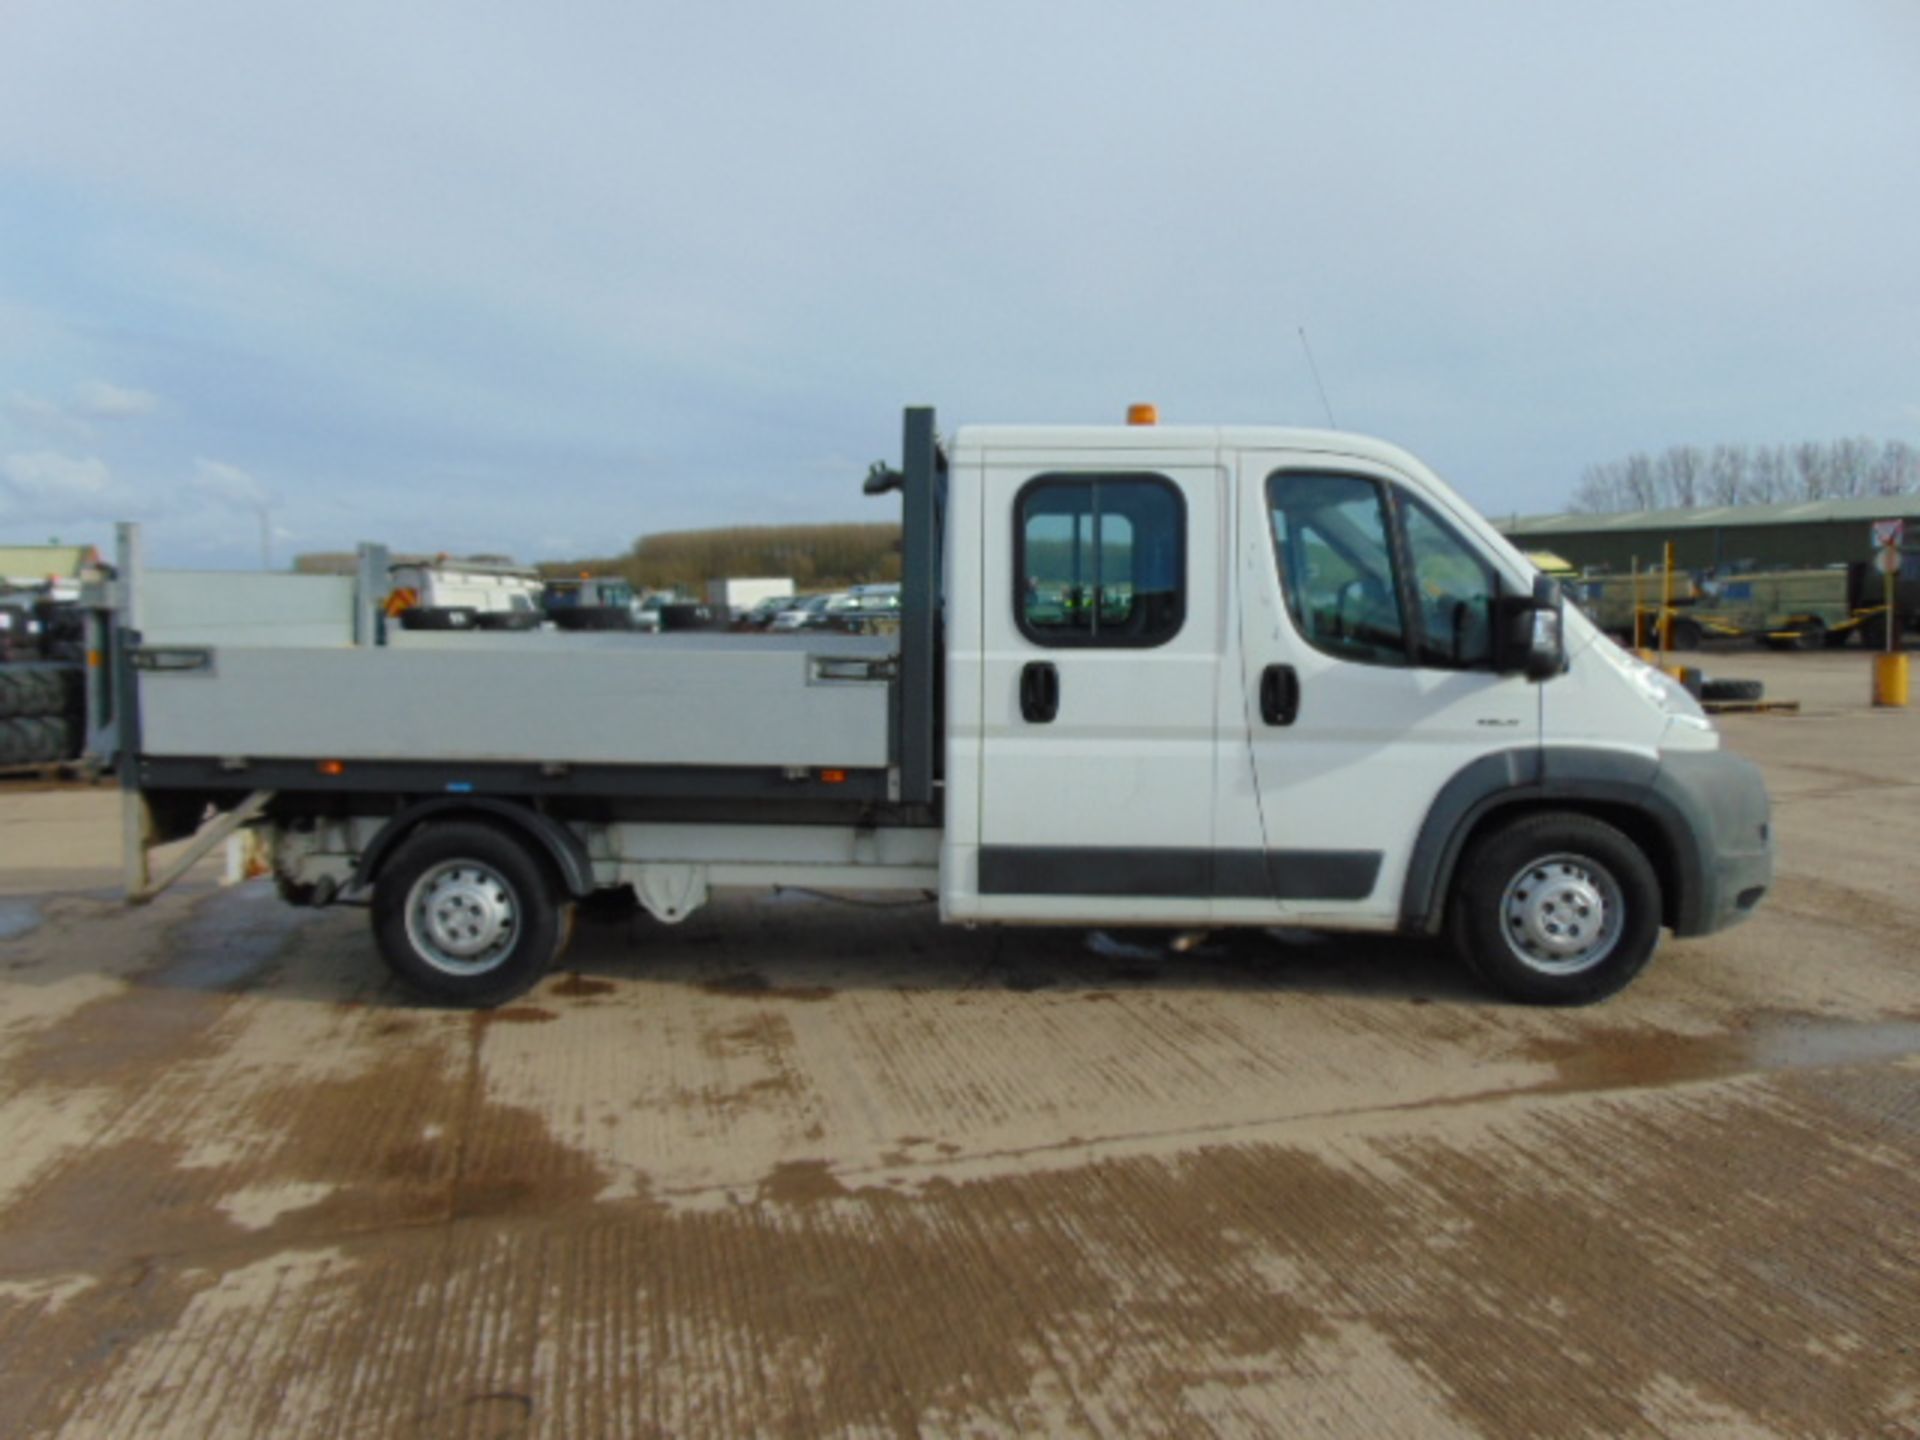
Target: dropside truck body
1191,677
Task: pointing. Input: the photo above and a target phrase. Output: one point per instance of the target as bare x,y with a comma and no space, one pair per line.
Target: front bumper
1727,837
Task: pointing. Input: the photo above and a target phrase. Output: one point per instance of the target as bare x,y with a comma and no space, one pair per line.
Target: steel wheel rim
1562,914
462,917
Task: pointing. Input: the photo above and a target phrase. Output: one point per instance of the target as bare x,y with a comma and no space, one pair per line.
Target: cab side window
1454,589
1333,538
1100,560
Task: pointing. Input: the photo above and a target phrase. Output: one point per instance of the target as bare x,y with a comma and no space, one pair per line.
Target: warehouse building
1800,534
60,568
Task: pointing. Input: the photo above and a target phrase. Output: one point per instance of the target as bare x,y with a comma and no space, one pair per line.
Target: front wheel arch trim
1610,785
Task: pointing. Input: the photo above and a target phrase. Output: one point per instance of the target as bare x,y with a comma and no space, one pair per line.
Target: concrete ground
795,1169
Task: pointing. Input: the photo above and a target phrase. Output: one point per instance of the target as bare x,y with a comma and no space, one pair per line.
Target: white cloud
45,417
48,477
229,485
101,400
71,420
71,491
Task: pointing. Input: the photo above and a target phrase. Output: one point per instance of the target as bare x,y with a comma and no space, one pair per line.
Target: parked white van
1188,676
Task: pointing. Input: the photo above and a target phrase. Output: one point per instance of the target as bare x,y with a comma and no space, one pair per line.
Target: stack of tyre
42,706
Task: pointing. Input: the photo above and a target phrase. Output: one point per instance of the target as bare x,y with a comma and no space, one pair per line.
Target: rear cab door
1101,638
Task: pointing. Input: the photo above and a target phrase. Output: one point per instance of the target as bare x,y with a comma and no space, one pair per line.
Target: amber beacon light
1143,414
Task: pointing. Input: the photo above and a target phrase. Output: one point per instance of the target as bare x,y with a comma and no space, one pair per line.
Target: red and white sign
1888,534
1887,560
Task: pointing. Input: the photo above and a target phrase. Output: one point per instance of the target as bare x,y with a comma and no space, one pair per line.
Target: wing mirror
1528,632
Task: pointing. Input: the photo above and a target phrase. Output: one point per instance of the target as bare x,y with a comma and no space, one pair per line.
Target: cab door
1367,643
1101,655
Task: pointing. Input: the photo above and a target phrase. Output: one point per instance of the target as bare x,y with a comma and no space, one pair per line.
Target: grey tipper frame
922,510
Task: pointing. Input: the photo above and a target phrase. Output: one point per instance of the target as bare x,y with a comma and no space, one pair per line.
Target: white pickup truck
1191,677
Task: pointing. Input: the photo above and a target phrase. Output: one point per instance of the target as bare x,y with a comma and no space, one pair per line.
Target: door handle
1039,692
1279,695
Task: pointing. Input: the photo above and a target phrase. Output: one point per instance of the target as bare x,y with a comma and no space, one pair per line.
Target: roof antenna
1331,422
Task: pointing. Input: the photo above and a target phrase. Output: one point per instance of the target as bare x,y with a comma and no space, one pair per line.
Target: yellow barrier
1890,680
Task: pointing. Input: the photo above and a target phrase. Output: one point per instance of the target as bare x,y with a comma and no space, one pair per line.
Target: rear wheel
468,915
1687,635
1556,909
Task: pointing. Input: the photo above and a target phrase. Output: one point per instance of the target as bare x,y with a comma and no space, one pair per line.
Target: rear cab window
1100,560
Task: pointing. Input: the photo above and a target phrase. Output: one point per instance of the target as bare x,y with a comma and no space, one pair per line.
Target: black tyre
446,617
73,692
50,697
17,689
45,738
1733,690
1555,909
468,915
63,737
12,743
1687,635
1835,639
1873,632
1813,634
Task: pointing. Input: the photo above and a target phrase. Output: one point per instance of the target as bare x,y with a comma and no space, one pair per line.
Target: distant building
1800,534
25,567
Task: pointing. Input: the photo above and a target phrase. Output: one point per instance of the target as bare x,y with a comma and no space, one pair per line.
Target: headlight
1668,693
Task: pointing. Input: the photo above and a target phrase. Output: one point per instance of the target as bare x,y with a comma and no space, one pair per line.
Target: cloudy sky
544,278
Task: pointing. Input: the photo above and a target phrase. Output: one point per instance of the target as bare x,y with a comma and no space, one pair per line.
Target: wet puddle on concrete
1611,1058
230,940
17,918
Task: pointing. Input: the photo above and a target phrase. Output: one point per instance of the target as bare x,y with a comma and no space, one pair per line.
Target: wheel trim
1562,914
463,917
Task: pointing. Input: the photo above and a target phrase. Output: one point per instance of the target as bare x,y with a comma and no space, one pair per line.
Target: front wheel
466,915
1556,909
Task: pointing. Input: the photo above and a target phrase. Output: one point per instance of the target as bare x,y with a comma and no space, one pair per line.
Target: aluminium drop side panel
243,607
545,698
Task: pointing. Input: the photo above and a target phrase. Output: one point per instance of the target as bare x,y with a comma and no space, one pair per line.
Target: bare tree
1685,476
1768,480
1849,465
1601,489
1727,474
1812,471
1640,485
1682,472
1896,470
